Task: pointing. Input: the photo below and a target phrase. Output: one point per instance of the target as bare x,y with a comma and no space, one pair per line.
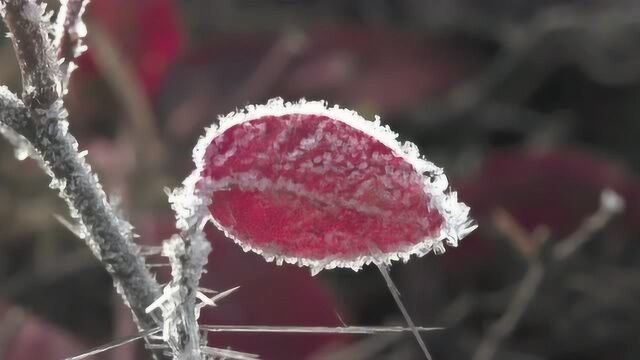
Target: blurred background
531,107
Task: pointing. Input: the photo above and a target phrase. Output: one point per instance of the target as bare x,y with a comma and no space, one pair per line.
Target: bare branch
610,205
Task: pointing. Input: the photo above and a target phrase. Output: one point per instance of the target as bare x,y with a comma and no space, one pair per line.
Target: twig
41,120
114,344
395,293
311,330
362,330
610,205
69,32
188,256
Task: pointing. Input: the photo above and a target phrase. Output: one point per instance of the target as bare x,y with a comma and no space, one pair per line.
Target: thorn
224,294
158,303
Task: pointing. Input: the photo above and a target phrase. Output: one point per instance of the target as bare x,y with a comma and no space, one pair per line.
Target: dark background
531,107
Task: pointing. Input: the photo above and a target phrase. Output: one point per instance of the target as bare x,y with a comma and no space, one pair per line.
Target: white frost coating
35,12
179,310
191,202
177,303
188,202
72,23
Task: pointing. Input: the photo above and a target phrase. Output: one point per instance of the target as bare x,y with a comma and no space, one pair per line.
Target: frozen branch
13,114
69,32
188,256
41,119
187,253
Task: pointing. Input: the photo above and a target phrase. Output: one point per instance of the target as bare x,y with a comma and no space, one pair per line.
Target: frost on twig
41,120
187,254
13,121
69,32
180,332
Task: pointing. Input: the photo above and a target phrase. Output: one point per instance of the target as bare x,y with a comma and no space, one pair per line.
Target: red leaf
322,187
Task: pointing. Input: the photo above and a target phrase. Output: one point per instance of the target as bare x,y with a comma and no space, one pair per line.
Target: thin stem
396,297
69,32
349,330
361,330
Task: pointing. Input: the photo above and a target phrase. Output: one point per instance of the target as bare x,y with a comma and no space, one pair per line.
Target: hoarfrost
195,195
34,12
22,148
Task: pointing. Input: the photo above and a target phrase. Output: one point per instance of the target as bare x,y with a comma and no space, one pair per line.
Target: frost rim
190,202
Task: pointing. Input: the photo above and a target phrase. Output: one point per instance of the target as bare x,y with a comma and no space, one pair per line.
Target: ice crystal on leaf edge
190,202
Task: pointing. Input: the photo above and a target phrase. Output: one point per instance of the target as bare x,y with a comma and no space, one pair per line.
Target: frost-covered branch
187,255
14,117
41,119
69,32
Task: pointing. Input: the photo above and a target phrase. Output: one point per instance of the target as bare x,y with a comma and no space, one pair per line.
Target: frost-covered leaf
321,187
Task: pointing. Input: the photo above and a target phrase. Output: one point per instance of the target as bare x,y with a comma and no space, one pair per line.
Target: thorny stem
188,255
40,118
